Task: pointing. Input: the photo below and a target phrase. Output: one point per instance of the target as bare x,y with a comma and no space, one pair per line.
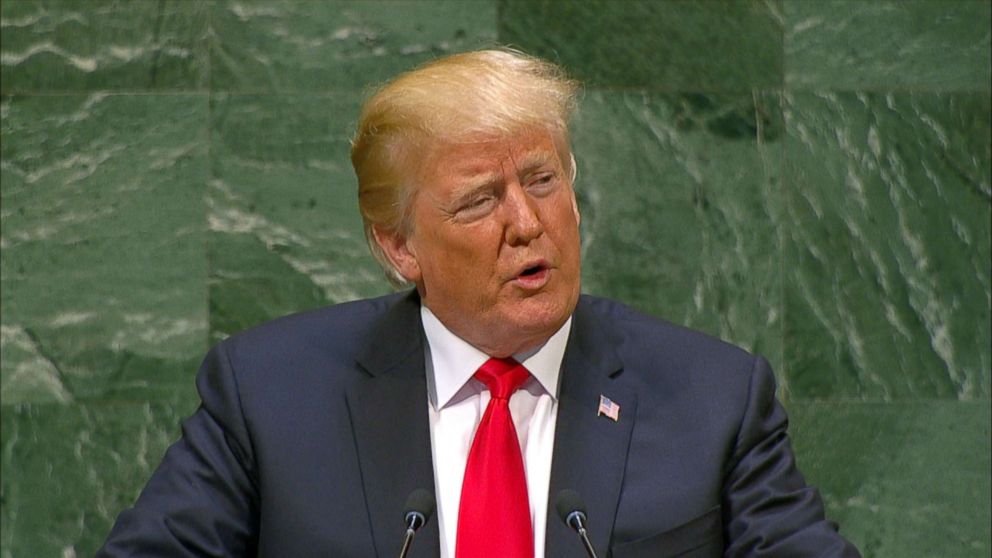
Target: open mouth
533,276
533,270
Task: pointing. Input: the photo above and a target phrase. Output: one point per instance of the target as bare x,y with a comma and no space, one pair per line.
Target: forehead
486,155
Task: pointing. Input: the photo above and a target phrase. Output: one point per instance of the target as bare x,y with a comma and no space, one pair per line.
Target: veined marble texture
289,45
887,280
680,202
939,45
807,178
672,45
903,478
103,264
70,45
285,232
68,470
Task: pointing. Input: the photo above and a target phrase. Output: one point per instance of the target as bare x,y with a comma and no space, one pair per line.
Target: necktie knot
502,376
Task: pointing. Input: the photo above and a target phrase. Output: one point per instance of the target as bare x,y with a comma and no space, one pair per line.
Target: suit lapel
389,415
590,452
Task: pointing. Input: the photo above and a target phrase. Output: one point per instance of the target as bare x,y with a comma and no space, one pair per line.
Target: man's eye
475,207
542,182
477,202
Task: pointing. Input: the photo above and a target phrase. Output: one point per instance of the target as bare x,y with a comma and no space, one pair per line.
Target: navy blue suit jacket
313,430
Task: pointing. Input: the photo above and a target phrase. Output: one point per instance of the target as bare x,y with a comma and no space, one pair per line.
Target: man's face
494,242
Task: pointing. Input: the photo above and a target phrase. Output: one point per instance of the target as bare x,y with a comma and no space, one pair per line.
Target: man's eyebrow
530,161
475,184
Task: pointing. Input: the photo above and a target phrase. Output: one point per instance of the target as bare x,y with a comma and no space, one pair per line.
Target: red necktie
494,512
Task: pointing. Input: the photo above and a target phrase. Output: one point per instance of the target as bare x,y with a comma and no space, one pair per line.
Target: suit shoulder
673,367
340,325
651,337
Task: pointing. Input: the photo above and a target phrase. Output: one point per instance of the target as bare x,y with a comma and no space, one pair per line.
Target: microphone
419,508
572,511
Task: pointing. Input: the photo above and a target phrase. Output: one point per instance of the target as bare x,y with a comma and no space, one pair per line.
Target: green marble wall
810,179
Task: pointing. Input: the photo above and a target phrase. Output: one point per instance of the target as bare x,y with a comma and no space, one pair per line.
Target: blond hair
486,93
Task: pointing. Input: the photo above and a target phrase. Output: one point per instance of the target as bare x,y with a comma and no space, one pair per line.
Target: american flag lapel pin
607,408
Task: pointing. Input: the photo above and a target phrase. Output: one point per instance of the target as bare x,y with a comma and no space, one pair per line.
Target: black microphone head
567,503
420,503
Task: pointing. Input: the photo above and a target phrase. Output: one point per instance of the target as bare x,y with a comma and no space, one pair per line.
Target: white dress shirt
457,402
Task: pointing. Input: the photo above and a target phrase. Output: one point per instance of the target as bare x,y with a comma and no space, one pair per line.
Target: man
493,383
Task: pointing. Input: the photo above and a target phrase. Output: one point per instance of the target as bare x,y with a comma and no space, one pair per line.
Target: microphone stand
406,542
414,520
575,519
585,541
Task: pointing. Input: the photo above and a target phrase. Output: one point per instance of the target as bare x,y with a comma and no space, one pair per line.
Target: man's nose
522,221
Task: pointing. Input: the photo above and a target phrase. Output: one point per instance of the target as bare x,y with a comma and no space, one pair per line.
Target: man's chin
534,317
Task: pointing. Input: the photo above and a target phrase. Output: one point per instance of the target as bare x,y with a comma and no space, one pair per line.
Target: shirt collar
452,361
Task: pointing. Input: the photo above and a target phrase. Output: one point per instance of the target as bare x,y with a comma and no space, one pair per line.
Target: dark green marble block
886,243
104,263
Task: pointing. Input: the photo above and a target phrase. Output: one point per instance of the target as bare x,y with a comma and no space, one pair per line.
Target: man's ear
575,174
397,248
575,208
